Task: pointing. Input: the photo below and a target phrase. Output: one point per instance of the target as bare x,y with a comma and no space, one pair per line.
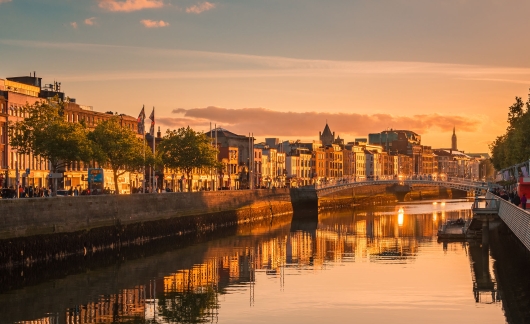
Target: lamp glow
401,214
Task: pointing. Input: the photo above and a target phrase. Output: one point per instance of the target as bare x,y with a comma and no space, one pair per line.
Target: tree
46,133
119,148
185,149
514,146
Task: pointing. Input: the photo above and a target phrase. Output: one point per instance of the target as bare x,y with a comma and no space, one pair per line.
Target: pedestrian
76,192
516,200
523,201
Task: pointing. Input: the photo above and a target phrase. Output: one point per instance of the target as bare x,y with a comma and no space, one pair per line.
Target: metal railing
486,205
517,219
410,180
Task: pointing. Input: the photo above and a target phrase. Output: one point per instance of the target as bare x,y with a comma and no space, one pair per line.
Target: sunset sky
283,68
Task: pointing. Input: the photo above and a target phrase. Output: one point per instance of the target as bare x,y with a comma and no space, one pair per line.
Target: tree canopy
513,147
46,133
185,149
119,148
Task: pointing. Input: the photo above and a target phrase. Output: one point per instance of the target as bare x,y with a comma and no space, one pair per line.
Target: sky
283,68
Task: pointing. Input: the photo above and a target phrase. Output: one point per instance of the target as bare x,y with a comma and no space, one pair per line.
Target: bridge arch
479,188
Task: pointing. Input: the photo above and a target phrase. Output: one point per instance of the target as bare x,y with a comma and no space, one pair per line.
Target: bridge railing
517,219
418,180
486,206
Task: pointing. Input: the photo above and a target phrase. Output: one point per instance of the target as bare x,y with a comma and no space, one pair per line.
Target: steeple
327,137
453,140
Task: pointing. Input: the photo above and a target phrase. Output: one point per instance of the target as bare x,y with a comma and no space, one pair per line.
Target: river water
377,265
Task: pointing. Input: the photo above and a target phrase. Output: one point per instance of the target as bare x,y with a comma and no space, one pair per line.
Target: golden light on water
401,214
434,216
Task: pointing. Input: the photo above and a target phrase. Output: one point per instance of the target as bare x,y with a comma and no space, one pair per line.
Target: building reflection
191,295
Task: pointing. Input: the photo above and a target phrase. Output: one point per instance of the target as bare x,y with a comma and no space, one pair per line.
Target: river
377,265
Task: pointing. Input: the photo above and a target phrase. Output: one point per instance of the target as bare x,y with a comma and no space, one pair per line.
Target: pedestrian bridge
479,188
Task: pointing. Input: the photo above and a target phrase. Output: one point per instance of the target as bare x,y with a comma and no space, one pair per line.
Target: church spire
453,140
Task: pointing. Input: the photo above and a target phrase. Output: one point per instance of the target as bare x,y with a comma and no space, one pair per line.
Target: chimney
159,134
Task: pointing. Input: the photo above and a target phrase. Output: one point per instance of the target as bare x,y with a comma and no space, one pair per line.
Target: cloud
201,7
129,5
73,24
5,1
90,21
266,122
153,23
223,65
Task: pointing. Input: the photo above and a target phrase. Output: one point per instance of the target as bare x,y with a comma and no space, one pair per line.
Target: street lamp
17,179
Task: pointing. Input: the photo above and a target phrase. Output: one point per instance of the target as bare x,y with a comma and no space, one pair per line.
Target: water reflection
383,240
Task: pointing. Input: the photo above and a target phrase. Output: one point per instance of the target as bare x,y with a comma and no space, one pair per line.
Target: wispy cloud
5,1
264,122
153,23
129,5
201,7
73,24
234,65
90,21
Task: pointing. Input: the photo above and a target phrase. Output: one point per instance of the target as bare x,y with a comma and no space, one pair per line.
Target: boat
456,230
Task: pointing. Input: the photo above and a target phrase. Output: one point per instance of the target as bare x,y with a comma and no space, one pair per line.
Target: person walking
516,200
523,201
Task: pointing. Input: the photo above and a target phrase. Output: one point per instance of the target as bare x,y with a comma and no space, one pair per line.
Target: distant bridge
479,188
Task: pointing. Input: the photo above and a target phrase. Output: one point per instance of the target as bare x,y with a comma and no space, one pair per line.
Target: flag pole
153,134
141,125
211,169
143,180
217,173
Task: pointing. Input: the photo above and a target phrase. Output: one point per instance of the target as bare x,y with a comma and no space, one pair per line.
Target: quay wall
38,216
51,229
47,229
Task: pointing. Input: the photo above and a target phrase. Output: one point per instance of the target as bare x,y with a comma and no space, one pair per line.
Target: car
62,193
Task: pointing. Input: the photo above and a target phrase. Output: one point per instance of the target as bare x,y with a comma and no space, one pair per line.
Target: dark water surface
381,265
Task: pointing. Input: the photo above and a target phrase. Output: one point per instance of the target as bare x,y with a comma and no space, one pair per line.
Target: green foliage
184,149
188,306
514,146
45,133
119,148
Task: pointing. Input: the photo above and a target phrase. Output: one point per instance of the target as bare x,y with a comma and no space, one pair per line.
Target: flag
141,122
152,117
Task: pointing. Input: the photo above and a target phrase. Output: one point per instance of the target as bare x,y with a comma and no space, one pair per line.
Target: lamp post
17,179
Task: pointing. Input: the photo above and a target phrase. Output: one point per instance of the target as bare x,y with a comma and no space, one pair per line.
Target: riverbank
53,229
43,230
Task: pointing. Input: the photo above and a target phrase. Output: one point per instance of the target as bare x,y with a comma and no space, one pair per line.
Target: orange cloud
265,122
73,24
130,5
90,21
201,7
4,1
153,23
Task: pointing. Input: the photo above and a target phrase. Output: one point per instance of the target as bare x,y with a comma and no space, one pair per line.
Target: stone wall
37,216
37,230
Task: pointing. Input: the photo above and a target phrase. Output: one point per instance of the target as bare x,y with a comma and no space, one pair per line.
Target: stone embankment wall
33,230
